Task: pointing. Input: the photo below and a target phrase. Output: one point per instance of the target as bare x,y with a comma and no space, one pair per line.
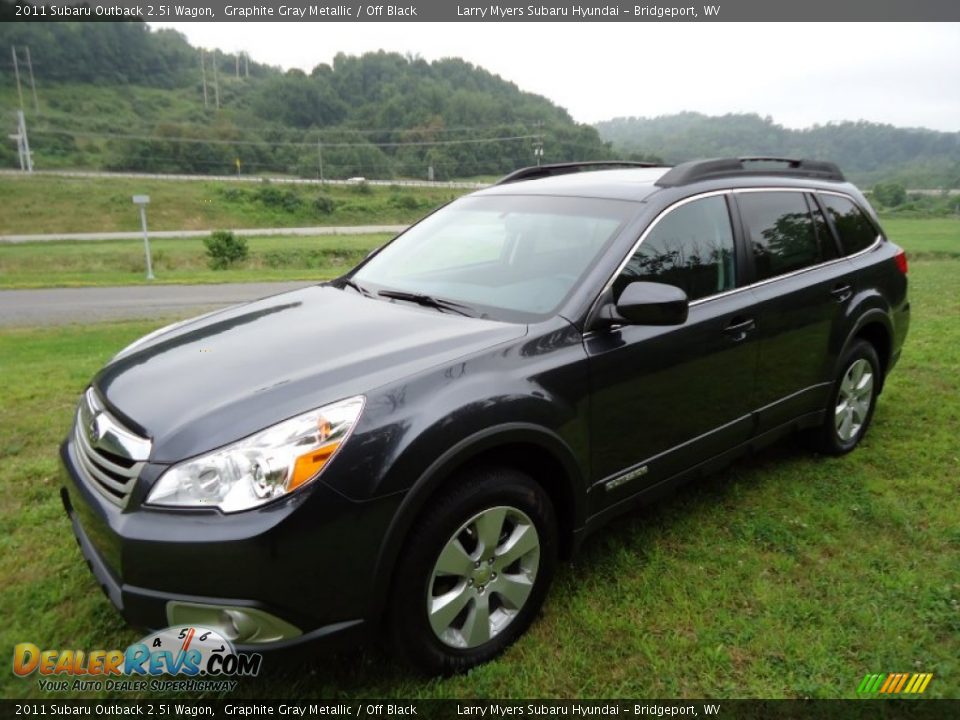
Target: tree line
381,114
867,152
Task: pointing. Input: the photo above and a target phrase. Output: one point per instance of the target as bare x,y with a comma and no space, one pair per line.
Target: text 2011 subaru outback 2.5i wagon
409,449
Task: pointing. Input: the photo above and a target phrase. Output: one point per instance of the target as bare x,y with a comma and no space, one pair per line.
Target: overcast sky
906,74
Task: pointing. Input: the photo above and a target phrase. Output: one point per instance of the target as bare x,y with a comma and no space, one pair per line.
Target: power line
217,141
334,130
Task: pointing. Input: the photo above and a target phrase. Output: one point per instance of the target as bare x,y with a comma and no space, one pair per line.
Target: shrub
232,194
890,194
224,249
324,204
405,202
275,197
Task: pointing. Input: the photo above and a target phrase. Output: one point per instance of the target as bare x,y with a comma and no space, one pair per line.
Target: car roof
639,183
620,184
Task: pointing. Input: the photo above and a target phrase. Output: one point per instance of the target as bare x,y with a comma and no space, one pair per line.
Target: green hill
120,96
867,152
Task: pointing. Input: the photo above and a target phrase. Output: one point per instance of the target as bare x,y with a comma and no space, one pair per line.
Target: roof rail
695,170
542,171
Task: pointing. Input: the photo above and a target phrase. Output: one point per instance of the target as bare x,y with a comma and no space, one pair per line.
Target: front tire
475,571
852,401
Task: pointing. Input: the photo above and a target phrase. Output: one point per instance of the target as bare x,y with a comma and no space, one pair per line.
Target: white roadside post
142,201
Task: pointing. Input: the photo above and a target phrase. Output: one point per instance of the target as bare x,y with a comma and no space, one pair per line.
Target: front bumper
308,562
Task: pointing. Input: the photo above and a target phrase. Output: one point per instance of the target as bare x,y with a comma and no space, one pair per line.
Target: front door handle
842,293
739,328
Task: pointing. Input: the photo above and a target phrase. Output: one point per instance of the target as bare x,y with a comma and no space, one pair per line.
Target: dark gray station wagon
407,451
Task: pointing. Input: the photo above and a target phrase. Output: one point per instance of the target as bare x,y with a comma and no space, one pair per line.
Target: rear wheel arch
874,327
878,334
532,450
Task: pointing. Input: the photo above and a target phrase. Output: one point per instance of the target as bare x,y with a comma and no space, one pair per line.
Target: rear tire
474,572
853,399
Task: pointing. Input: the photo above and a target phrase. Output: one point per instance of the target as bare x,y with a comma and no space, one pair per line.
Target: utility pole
237,58
320,158
23,143
538,143
16,71
216,80
246,64
203,72
141,201
33,87
19,138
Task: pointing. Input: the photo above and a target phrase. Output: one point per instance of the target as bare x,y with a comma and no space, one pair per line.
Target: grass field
48,204
788,575
926,238
121,262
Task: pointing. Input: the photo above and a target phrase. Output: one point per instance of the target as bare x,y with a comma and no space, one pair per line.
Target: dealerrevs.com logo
203,656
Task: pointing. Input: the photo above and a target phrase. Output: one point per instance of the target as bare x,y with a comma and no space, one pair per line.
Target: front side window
855,231
691,247
781,233
513,258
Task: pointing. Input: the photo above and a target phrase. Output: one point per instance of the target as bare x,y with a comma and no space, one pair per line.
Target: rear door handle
739,328
842,293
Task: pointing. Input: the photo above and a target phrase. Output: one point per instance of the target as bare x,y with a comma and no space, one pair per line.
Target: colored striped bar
903,680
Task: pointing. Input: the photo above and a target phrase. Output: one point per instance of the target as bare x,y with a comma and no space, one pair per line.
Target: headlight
262,467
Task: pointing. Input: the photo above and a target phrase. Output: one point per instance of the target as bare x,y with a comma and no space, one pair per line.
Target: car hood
213,380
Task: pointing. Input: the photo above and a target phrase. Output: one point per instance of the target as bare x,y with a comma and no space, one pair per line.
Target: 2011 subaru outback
414,445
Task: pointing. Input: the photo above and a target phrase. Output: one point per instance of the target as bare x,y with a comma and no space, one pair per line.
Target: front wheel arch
525,447
433,615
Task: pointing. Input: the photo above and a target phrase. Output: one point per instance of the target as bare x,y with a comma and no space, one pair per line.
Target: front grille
109,456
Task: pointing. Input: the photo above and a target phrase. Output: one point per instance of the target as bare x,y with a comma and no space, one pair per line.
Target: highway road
242,178
64,306
243,232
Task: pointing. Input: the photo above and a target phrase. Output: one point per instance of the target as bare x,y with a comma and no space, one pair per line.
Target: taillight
901,260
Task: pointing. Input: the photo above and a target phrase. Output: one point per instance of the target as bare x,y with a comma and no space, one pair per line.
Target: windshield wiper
347,282
427,301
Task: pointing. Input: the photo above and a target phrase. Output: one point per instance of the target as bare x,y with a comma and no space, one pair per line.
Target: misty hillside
867,152
121,96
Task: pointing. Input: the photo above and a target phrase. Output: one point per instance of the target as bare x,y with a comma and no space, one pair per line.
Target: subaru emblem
93,430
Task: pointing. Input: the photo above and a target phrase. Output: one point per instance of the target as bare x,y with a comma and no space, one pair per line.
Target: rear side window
781,233
855,230
691,247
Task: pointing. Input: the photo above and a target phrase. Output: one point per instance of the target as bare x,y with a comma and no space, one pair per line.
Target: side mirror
648,303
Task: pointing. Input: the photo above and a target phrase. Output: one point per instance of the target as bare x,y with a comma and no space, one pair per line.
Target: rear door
666,398
802,288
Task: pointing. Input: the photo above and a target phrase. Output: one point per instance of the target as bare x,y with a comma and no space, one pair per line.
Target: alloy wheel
483,577
854,399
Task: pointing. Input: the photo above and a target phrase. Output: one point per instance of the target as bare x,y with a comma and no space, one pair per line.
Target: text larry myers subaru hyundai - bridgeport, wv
408,450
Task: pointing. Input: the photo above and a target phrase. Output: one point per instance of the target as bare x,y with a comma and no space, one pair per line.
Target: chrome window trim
649,229
734,291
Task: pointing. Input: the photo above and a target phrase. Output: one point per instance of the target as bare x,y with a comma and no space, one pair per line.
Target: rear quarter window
856,232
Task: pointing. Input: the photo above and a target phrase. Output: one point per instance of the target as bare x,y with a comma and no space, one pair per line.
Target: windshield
506,257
